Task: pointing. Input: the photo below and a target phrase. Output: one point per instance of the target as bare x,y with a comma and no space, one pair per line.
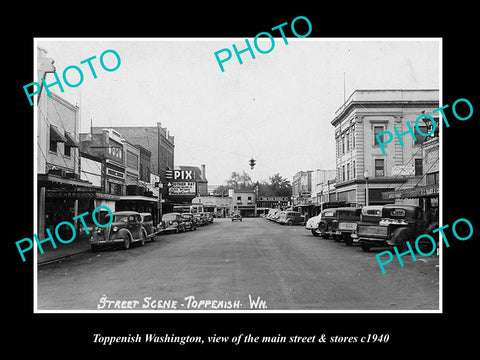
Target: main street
278,267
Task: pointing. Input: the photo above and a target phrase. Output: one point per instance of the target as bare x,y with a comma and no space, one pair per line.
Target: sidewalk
77,246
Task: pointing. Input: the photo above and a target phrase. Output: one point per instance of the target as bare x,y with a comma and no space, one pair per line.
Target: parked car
290,218
125,229
369,214
271,214
275,215
237,217
312,224
397,225
209,217
190,222
147,222
339,223
200,219
173,222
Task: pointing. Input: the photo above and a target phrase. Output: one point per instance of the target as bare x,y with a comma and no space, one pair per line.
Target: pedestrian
305,219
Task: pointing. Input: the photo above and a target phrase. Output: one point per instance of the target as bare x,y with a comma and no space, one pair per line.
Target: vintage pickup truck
397,225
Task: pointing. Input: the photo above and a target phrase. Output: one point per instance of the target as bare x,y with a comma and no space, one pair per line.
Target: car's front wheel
126,242
347,239
315,232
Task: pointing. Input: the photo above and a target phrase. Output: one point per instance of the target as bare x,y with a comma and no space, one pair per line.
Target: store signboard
405,170
183,188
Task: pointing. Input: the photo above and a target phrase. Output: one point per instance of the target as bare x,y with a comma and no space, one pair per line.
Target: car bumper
97,241
374,241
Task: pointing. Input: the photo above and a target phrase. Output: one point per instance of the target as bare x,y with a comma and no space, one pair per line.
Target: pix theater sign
183,180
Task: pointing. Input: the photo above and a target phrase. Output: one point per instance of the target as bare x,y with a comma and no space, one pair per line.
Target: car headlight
115,228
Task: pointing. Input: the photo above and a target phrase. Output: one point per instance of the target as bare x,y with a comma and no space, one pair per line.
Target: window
53,145
377,130
348,141
343,144
420,138
348,171
343,172
239,198
379,167
250,198
68,150
353,137
418,167
432,178
354,176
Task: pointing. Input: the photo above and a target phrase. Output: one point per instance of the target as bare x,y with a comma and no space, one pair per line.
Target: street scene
286,267
164,183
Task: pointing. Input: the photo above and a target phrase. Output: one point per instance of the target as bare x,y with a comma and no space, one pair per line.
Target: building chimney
204,175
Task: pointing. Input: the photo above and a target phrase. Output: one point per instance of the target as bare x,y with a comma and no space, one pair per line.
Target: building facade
360,162
107,145
161,145
62,193
244,202
325,186
302,187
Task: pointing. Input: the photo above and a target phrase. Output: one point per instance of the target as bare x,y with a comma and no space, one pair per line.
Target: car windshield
187,216
168,217
121,218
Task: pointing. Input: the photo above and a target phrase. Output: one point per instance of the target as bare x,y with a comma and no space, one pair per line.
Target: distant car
236,217
173,222
125,229
290,218
147,222
275,215
271,214
190,222
312,225
209,217
339,223
200,219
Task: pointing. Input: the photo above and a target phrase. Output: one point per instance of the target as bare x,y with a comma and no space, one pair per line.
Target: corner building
359,157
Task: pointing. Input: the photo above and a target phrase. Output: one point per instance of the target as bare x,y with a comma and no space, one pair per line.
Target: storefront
428,198
64,205
139,203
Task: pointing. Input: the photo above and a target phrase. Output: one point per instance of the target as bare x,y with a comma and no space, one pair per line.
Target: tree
280,186
239,181
221,190
276,186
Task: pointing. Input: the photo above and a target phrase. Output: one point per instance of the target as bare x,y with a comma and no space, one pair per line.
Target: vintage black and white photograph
268,174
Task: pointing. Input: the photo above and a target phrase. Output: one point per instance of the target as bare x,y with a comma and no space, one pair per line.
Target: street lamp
159,207
366,175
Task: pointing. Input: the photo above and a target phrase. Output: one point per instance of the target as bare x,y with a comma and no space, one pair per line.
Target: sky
276,108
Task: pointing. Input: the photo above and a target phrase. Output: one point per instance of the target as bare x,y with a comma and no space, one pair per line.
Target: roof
385,97
400,206
125,212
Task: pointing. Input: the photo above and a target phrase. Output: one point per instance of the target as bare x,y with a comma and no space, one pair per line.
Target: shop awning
70,140
55,135
138,198
415,192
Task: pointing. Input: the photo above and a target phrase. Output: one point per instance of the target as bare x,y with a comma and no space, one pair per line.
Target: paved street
232,262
